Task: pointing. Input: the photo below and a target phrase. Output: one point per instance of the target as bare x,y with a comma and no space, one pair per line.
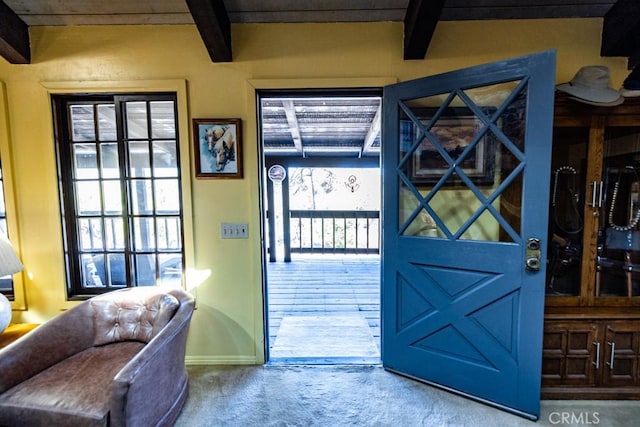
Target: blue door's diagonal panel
425,302
498,320
455,281
412,304
449,342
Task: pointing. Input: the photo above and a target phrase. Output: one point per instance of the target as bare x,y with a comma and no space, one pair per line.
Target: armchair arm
48,344
151,388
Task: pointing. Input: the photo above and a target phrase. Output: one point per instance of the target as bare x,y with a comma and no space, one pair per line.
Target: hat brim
618,101
599,96
628,93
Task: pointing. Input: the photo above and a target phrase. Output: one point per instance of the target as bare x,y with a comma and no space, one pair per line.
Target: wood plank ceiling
320,126
214,18
312,126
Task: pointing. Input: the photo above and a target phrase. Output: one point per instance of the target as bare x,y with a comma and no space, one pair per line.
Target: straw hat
591,85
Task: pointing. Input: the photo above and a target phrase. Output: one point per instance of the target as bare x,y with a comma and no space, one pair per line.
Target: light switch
229,230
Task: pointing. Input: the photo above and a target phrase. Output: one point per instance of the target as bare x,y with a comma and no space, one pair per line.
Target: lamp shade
9,262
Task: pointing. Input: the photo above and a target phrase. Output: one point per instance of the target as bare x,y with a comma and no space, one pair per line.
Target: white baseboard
221,360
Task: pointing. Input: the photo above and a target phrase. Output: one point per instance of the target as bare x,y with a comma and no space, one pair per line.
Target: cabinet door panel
566,214
569,353
618,261
622,354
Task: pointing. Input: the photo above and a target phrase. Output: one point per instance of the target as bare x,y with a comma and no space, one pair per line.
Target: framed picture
454,133
218,148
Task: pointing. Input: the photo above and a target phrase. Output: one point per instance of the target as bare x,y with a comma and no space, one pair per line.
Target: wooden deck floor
330,287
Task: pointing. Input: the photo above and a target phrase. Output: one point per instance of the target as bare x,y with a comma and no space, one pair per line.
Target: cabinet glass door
566,210
618,246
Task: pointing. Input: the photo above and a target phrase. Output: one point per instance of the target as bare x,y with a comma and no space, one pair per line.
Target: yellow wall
227,326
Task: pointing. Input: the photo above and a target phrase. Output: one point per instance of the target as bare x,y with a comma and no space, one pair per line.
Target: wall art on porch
218,148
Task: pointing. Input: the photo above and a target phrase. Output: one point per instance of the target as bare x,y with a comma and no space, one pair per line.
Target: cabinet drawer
569,354
621,354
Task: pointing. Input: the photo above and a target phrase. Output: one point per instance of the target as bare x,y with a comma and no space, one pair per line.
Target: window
119,180
6,283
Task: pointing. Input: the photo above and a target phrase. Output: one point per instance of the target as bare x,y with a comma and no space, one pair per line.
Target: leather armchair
113,360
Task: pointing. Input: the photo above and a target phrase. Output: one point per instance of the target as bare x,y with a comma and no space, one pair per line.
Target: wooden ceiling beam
419,25
294,127
374,131
621,30
214,27
14,37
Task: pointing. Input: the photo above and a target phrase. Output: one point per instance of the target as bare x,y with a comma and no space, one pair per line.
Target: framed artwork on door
454,131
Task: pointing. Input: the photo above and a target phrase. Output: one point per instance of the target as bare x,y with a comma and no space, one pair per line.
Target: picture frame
218,148
454,130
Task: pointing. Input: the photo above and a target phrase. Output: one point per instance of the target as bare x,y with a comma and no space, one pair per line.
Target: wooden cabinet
591,359
592,308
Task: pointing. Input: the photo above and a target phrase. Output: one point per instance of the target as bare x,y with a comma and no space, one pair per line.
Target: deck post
271,218
286,217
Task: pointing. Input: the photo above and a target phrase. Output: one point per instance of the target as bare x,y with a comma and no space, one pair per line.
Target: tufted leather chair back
135,314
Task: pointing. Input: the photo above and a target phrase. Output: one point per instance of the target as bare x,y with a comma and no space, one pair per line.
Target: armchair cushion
137,315
61,394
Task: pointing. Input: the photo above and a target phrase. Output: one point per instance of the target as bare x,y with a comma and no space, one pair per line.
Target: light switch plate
232,230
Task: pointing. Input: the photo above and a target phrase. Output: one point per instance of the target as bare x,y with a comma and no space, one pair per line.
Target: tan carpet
361,396
324,336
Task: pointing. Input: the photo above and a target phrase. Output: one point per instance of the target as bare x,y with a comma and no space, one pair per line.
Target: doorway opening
321,189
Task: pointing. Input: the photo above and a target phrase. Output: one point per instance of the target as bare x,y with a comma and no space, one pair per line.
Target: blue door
466,167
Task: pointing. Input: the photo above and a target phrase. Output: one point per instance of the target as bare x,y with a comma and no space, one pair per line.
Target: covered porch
324,308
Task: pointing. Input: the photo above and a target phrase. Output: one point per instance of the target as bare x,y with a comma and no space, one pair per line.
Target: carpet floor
352,395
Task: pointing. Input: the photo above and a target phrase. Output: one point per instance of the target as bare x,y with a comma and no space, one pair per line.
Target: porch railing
334,231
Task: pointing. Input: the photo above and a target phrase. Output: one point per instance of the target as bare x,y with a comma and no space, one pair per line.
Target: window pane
109,160
90,234
450,158
117,270
145,270
103,274
163,123
112,197
144,234
85,161
6,283
165,159
107,122
169,235
88,197
167,196
141,197
170,270
114,233
82,124
139,159
136,113
3,208
90,275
